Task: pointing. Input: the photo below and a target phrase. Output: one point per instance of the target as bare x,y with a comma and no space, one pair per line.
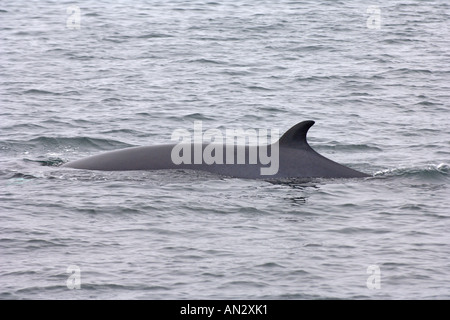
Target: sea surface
78,78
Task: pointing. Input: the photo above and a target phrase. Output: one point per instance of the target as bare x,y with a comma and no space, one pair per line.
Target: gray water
129,73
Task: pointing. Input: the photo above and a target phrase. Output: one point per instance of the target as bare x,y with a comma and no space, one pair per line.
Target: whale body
295,159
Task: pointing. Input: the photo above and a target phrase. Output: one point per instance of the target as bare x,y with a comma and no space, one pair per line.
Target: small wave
407,71
427,103
311,48
122,131
92,14
270,265
46,92
17,177
207,61
154,35
78,142
259,88
47,145
37,91
273,110
192,116
310,79
50,162
430,172
22,126
348,147
399,41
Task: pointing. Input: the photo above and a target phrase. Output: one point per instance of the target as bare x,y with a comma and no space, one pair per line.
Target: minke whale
289,157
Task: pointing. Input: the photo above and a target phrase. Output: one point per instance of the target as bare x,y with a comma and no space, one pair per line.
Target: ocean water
103,75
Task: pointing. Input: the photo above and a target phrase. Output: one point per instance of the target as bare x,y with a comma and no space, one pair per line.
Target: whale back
295,159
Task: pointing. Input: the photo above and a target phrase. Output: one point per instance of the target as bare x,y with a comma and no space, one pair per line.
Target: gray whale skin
296,160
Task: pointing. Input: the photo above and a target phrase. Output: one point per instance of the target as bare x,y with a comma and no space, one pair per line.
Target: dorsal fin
296,136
